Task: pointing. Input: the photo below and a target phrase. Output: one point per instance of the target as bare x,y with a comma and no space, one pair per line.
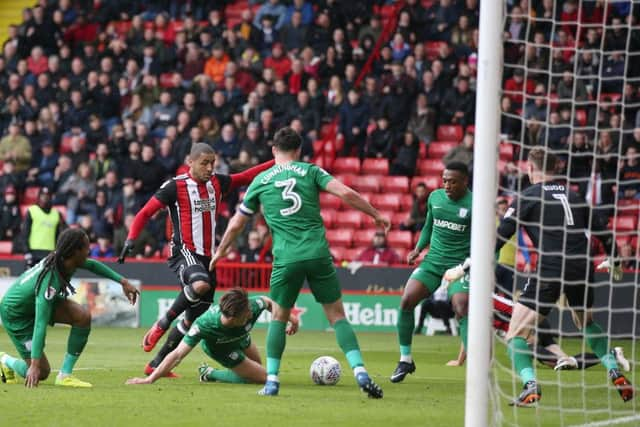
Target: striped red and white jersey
192,206
502,310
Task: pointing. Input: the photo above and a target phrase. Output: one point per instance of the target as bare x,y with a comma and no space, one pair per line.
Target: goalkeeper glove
609,265
126,249
458,271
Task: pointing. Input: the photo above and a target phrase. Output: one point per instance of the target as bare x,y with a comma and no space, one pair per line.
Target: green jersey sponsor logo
449,225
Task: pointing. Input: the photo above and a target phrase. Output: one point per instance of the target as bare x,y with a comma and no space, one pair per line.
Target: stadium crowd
101,101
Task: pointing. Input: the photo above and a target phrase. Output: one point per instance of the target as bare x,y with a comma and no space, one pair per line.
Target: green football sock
226,376
464,328
78,338
597,340
276,340
521,360
19,366
406,320
348,343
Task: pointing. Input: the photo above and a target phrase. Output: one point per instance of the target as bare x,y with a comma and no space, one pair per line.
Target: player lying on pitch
223,333
39,297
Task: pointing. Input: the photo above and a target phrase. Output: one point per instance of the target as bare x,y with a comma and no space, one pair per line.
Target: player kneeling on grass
223,333
39,297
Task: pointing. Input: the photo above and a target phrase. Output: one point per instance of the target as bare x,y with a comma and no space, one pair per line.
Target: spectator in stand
161,114
510,122
379,253
294,33
268,36
308,116
78,151
255,145
380,141
628,255
405,162
629,175
10,219
306,150
418,213
570,89
579,161
515,86
148,175
216,64
246,30
166,158
607,167
103,248
227,145
80,192
422,121
319,35
85,223
253,250
278,61
302,7
536,108
612,74
458,105
42,226
41,174
37,62
271,8
16,147
462,153
354,119
281,101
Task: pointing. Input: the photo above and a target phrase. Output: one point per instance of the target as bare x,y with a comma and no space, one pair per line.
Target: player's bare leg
597,340
72,313
348,343
523,320
414,293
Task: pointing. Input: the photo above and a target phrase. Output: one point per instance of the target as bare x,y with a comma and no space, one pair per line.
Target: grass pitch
433,396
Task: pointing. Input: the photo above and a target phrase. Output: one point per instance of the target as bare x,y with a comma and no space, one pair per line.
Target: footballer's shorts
190,268
20,332
459,286
429,274
287,280
542,295
228,355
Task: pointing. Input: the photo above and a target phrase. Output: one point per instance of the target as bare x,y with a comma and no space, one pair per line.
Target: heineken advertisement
365,312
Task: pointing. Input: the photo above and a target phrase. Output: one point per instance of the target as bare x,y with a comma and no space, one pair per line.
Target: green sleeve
425,234
193,337
320,176
49,288
100,269
251,201
257,305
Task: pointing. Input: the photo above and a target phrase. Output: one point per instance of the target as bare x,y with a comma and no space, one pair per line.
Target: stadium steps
11,13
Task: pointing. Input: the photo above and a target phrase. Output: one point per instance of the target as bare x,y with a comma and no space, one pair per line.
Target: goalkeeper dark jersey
559,223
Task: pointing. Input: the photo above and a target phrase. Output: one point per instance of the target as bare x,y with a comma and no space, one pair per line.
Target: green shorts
228,355
429,274
459,286
287,280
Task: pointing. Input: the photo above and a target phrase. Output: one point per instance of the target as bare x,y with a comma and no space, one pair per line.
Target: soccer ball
325,370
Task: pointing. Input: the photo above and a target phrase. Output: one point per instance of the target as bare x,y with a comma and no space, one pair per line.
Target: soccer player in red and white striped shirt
192,200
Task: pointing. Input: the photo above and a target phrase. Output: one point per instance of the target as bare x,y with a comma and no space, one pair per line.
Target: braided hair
69,241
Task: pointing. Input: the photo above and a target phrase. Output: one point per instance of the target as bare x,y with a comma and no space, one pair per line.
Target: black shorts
541,295
191,267
504,279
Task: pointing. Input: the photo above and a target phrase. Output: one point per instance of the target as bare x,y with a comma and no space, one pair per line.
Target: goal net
571,84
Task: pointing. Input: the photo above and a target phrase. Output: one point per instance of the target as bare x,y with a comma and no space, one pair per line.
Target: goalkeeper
557,221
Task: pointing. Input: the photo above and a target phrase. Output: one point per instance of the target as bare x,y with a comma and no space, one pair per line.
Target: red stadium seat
438,149
30,195
406,202
432,182
338,253
628,207
348,219
506,151
430,167
449,133
366,183
422,151
6,247
398,218
352,254
388,202
346,179
402,253
346,165
624,223
329,201
341,237
400,239
613,97
375,167
328,216
394,184
363,238
318,146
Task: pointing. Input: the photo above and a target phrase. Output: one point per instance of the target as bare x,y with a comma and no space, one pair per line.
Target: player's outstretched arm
462,356
236,225
141,219
102,270
355,200
244,178
172,360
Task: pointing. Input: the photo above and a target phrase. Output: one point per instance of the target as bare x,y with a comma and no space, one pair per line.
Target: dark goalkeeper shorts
542,295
